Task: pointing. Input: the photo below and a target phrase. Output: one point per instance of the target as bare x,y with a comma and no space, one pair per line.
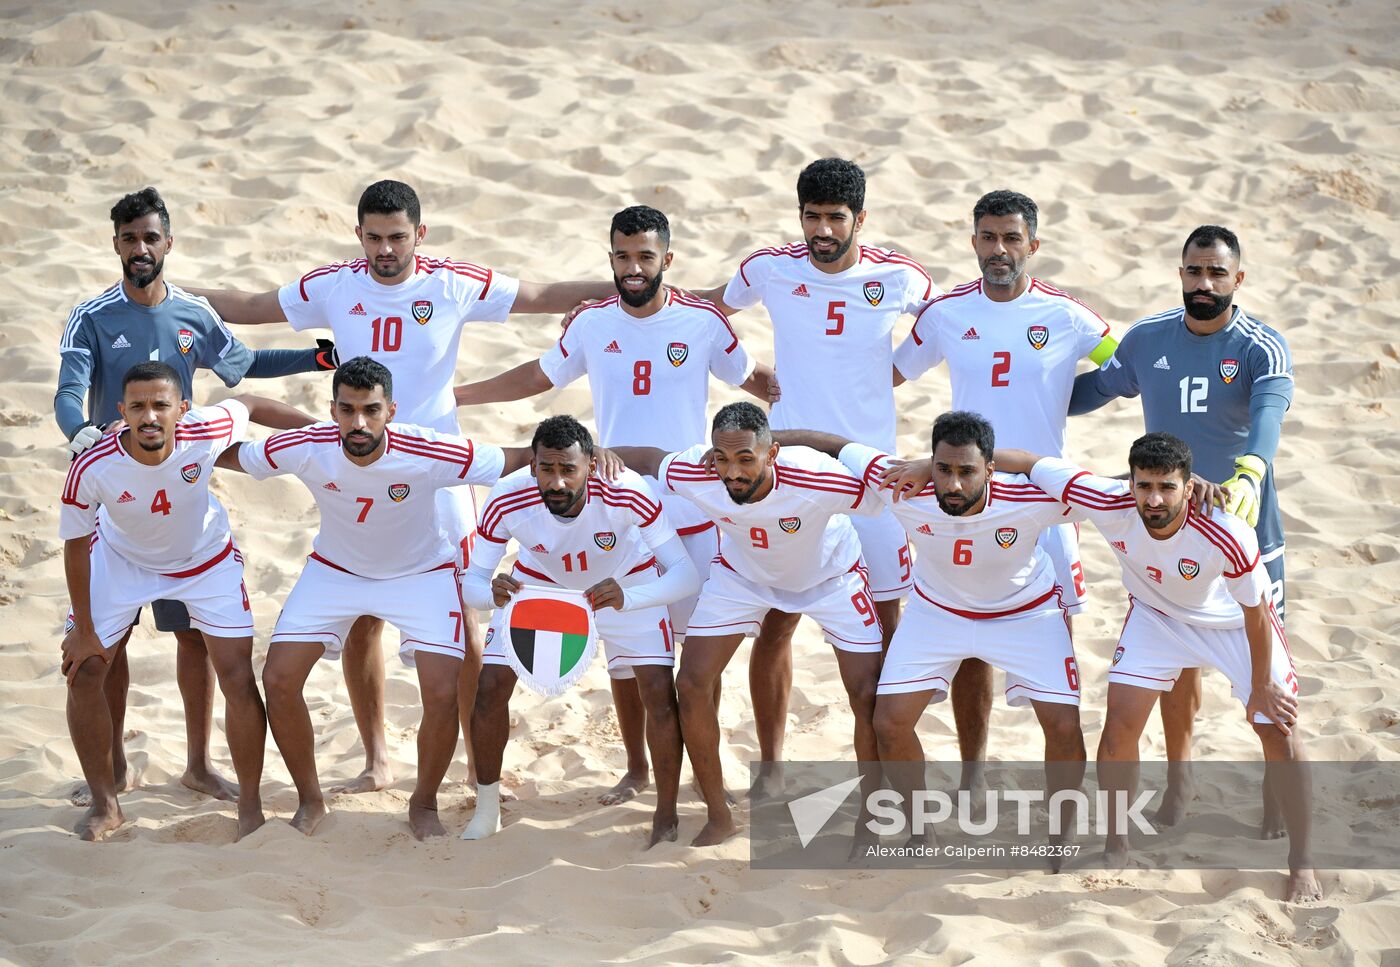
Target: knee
1063,729
493,688
890,725
862,697
694,689
91,675
236,679
279,681
439,693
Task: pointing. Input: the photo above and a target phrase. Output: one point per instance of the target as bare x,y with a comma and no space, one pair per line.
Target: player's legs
663,726
1179,708
897,737
90,728
1129,707
245,722
473,644
363,658
194,674
632,724
770,688
284,677
438,676
1287,772
117,685
972,713
860,673
1064,763
702,662
490,731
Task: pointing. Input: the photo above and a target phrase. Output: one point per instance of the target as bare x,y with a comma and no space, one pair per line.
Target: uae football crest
1117,654
190,473
677,352
607,540
1006,536
874,291
1188,568
397,492
422,311
790,524
1038,336
1229,369
185,340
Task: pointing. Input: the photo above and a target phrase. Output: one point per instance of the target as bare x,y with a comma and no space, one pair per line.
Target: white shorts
1032,647
426,608
213,593
1061,544
731,605
1154,648
456,510
641,637
885,549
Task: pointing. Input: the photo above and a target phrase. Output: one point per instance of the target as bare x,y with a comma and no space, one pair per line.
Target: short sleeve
650,516
565,362
1089,328
1091,496
304,301
487,299
918,289
729,360
866,463
492,524
486,463
745,290
832,486
77,515
920,350
281,453
681,472
231,419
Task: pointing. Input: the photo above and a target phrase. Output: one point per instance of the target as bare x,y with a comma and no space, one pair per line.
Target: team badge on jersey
1006,536
607,540
422,311
1188,568
1229,369
677,353
190,472
874,291
185,340
1117,654
397,492
490,633
790,524
1038,336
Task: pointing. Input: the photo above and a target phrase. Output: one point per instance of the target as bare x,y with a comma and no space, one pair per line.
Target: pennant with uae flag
552,638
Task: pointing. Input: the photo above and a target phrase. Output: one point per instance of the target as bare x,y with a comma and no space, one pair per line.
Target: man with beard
380,551
407,311
608,539
144,318
1220,380
648,354
786,544
1011,343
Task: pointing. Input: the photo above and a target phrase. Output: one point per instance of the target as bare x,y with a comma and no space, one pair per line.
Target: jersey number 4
160,504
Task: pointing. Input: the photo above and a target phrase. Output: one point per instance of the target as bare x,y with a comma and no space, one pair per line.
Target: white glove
86,436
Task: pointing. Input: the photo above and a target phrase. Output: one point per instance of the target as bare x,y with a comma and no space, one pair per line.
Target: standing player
139,524
380,550
145,318
983,588
834,303
608,540
1220,380
785,544
1011,343
648,354
1197,595
407,311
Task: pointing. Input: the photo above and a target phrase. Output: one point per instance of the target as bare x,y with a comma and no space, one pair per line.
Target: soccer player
1011,343
785,544
381,551
1198,594
984,588
833,302
1219,379
648,354
405,310
143,318
139,524
608,540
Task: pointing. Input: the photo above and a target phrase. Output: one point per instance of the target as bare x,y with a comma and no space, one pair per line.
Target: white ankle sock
487,819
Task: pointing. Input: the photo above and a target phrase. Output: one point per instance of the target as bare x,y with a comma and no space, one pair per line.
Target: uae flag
552,638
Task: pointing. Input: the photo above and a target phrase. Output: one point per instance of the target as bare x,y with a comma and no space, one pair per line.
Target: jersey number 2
1193,393
1001,369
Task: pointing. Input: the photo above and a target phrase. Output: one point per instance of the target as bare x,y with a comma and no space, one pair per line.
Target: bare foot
373,779
1115,856
715,831
1273,826
210,783
1181,792
249,822
309,816
695,788
861,843
1303,886
627,788
663,829
769,783
126,780
974,783
424,822
99,821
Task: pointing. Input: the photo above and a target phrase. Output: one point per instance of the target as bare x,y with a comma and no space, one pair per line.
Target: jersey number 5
836,317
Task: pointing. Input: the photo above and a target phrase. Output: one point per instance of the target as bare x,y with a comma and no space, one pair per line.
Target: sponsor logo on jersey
125,498
612,347
190,472
358,310
540,549
397,492
801,292
607,540
422,311
185,340
331,487
1229,369
1120,547
1117,654
1188,568
790,524
971,333
1162,364
873,291
677,352
1038,336
1006,536
925,529
120,342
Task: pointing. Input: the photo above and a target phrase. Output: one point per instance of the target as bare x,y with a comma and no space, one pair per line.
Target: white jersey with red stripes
795,537
377,521
1200,575
613,536
161,518
833,335
413,328
984,565
1012,362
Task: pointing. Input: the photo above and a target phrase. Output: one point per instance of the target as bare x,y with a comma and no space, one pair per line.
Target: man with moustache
144,318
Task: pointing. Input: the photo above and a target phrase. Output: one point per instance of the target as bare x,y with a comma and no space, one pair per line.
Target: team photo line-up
676,526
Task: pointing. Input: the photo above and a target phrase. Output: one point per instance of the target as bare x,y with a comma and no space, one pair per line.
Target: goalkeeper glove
326,356
85,436
1245,488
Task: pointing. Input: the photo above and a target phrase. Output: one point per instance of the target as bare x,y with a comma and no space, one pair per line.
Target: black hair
740,417
139,204
361,372
1162,452
387,198
638,220
152,370
832,181
560,433
1206,236
958,428
1006,202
